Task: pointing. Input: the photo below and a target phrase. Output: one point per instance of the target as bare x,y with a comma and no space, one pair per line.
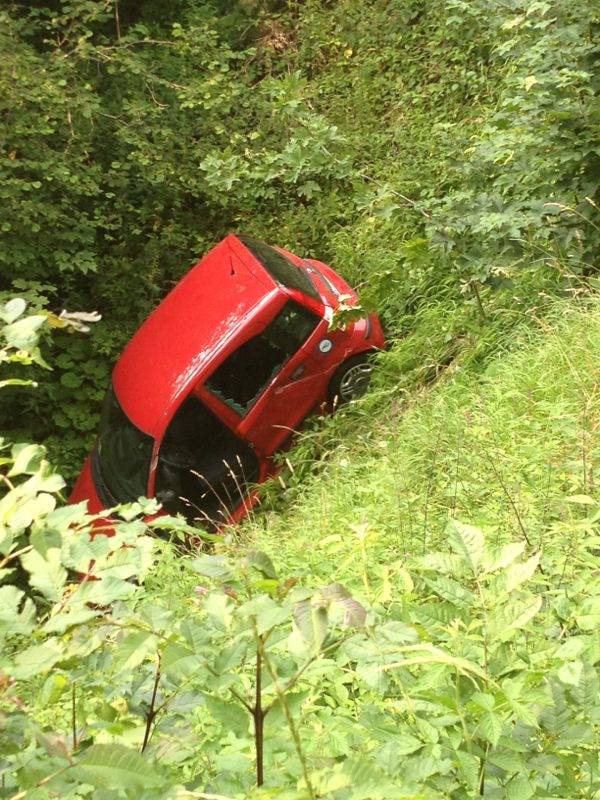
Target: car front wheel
351,380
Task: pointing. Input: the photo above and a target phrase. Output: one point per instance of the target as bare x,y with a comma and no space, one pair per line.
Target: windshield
123,453
278,266
203,468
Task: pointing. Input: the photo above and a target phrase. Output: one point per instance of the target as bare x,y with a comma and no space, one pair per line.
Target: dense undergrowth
416,615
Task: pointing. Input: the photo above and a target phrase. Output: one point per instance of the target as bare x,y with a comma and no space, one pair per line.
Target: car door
272,380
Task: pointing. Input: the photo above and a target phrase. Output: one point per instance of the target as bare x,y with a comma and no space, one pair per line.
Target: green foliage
532,172
435,631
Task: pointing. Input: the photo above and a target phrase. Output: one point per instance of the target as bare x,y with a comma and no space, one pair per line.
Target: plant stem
286,710
475,289
258,715
152,710
74,717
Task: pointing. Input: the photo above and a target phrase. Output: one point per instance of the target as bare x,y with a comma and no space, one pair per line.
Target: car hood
177,343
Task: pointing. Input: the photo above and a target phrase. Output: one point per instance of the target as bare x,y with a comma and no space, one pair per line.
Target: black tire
350,380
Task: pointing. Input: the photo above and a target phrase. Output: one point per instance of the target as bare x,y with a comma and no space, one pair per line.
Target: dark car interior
204,469
242,377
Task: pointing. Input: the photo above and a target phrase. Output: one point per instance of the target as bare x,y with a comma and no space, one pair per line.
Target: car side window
244,375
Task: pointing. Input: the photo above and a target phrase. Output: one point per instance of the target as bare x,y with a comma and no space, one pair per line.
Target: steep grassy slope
503,449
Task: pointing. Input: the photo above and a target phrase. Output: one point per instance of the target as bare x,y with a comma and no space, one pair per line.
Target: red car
219,377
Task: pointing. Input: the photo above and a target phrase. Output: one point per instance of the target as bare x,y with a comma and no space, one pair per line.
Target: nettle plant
488,672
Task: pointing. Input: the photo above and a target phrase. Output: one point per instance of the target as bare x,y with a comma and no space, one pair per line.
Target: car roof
178,343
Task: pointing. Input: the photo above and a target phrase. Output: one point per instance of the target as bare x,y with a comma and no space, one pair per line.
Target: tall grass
505,449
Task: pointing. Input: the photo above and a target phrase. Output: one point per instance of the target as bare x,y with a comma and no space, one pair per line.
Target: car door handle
298,372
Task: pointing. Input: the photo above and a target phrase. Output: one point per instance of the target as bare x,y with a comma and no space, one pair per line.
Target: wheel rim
355,381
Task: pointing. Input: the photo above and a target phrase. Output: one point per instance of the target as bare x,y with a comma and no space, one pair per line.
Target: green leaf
68,619
519,788
217,567
588,618
261,562
230,714
506,621
581,499
490,726
504,557
405,743
570,673
518,573
46,573
266,611
133,649
113,766
178,662
468,766
27,459
17,614
54,745
354,613
37,659
13,309
311,622
467,541
425,653
23,334
586,691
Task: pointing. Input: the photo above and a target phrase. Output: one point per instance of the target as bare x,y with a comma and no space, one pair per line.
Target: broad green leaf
467,541
54,745
232,715
452,591
261,562
105,591
46,573
13,309
68,619
519,788
17,613
490,726
426,653
178,662
113,766
220,607
581,499
588,616
405,743
27,459
468,767
217,567
518,573
23,334
506,621
37,659
587,690
570,673
354,613
266,611
25,511
311,622
133,649
504,557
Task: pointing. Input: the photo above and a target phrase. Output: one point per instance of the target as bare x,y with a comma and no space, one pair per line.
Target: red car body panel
223,301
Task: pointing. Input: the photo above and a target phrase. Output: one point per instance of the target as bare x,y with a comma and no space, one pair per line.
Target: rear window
280,268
